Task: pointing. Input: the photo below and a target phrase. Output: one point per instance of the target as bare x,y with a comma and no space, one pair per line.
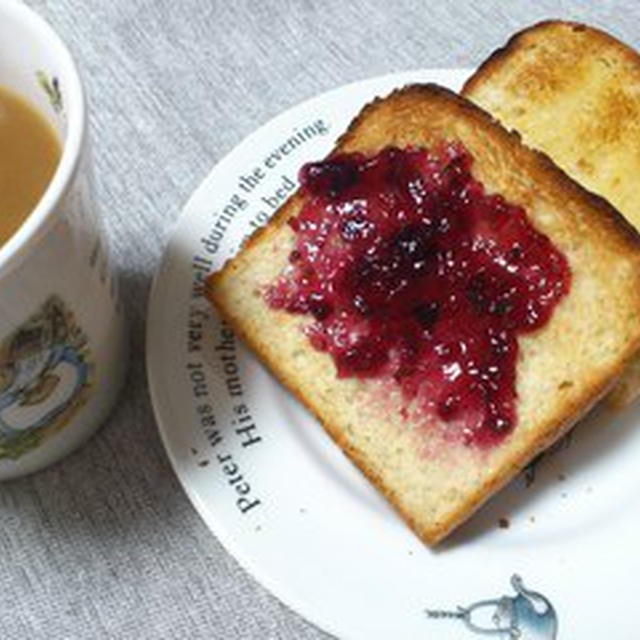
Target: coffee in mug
29,154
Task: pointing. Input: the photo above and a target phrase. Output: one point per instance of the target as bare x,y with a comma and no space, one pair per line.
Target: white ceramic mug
62,336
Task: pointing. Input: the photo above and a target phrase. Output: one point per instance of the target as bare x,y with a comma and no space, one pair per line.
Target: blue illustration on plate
44,378
526,616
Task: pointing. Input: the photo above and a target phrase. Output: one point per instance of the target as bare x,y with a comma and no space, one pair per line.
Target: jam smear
411,272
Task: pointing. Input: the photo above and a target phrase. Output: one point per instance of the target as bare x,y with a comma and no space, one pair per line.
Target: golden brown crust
502,56
606,224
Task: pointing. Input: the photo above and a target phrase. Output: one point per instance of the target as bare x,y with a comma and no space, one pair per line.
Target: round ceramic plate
299,517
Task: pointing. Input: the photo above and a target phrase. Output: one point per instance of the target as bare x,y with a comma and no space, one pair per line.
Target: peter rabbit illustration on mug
45,376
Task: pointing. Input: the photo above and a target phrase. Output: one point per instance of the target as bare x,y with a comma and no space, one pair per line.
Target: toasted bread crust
502,56
417,103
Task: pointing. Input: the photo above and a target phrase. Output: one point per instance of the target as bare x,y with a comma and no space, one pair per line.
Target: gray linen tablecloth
105,544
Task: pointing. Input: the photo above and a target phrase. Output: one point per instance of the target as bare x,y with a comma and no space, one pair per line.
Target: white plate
319,537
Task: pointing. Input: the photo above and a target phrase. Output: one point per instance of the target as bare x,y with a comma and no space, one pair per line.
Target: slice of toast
562,369
573,92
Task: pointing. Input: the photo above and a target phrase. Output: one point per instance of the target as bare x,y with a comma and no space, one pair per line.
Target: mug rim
16,247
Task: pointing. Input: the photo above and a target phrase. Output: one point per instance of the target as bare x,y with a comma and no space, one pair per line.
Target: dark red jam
412,273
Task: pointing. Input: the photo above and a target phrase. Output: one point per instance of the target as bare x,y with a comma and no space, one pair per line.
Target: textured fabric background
105,544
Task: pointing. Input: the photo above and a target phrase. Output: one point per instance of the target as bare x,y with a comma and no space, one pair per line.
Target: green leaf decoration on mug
52,89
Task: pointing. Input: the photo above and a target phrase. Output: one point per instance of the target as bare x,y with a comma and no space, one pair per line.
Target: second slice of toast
573,92
562,368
